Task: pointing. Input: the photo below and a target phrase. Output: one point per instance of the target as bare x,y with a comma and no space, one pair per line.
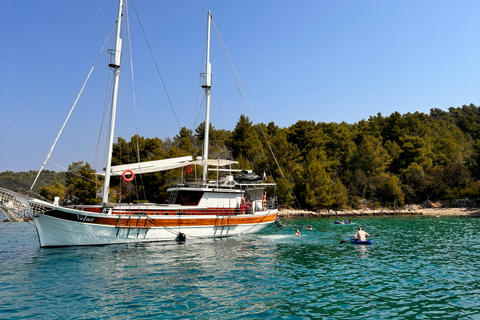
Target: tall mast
115,65
207,85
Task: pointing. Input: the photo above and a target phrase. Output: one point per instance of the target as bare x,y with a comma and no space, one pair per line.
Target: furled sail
152,166
167,164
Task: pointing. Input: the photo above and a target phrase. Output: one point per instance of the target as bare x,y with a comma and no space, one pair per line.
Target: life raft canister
131,175
187,169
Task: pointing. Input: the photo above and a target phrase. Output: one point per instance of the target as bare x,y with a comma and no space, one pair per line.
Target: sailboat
229,205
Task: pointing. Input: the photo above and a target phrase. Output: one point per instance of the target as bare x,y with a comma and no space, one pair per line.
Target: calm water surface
418,268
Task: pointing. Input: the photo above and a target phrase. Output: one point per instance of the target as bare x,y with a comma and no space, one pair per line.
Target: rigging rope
70,113
134,101
105,108
198,109
72,172
234,71
156,65
53,71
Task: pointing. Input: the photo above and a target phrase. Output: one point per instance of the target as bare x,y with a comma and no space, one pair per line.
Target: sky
326,61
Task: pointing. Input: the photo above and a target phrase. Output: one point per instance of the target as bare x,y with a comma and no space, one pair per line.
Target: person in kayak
361,235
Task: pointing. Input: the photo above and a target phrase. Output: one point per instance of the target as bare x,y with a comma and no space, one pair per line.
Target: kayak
352,240
340,222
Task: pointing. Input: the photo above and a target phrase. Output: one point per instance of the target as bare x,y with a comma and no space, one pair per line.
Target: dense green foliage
22,181
384,161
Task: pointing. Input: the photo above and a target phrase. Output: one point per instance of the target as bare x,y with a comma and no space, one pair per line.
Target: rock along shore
292,213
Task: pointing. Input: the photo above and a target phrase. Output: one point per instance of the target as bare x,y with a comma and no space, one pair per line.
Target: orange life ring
131,175
187,169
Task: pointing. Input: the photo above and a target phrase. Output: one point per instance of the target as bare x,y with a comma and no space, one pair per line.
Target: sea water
417,268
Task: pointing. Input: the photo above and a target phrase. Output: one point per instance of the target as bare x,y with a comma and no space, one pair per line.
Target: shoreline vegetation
407,211
380,162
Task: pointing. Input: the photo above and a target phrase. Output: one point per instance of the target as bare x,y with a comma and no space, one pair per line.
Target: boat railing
192,183
251,208
258,206
200,184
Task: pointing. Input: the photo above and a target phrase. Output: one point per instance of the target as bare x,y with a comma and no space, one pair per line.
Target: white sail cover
167,164
152,166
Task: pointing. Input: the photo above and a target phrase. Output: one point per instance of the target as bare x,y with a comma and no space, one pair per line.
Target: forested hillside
383,161
22,181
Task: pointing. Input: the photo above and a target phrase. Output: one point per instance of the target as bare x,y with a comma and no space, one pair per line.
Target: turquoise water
418,268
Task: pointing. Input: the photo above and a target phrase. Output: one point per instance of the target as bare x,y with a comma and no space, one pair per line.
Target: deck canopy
214,162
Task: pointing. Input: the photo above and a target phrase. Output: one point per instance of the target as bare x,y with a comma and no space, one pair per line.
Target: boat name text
84,218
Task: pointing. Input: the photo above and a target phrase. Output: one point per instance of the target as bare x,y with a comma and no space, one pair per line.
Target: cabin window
189,198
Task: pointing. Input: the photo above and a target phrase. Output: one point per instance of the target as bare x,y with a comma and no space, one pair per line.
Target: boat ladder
223,223
137,225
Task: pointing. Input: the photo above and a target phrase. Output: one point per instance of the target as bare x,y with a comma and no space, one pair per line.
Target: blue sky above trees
310,60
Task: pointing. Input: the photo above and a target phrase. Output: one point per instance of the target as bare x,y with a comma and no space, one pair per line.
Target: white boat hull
56,232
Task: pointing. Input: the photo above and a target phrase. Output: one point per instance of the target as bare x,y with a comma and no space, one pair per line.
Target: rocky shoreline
292,213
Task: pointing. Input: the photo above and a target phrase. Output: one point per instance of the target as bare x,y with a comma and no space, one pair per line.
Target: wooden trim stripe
151,221
179,211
